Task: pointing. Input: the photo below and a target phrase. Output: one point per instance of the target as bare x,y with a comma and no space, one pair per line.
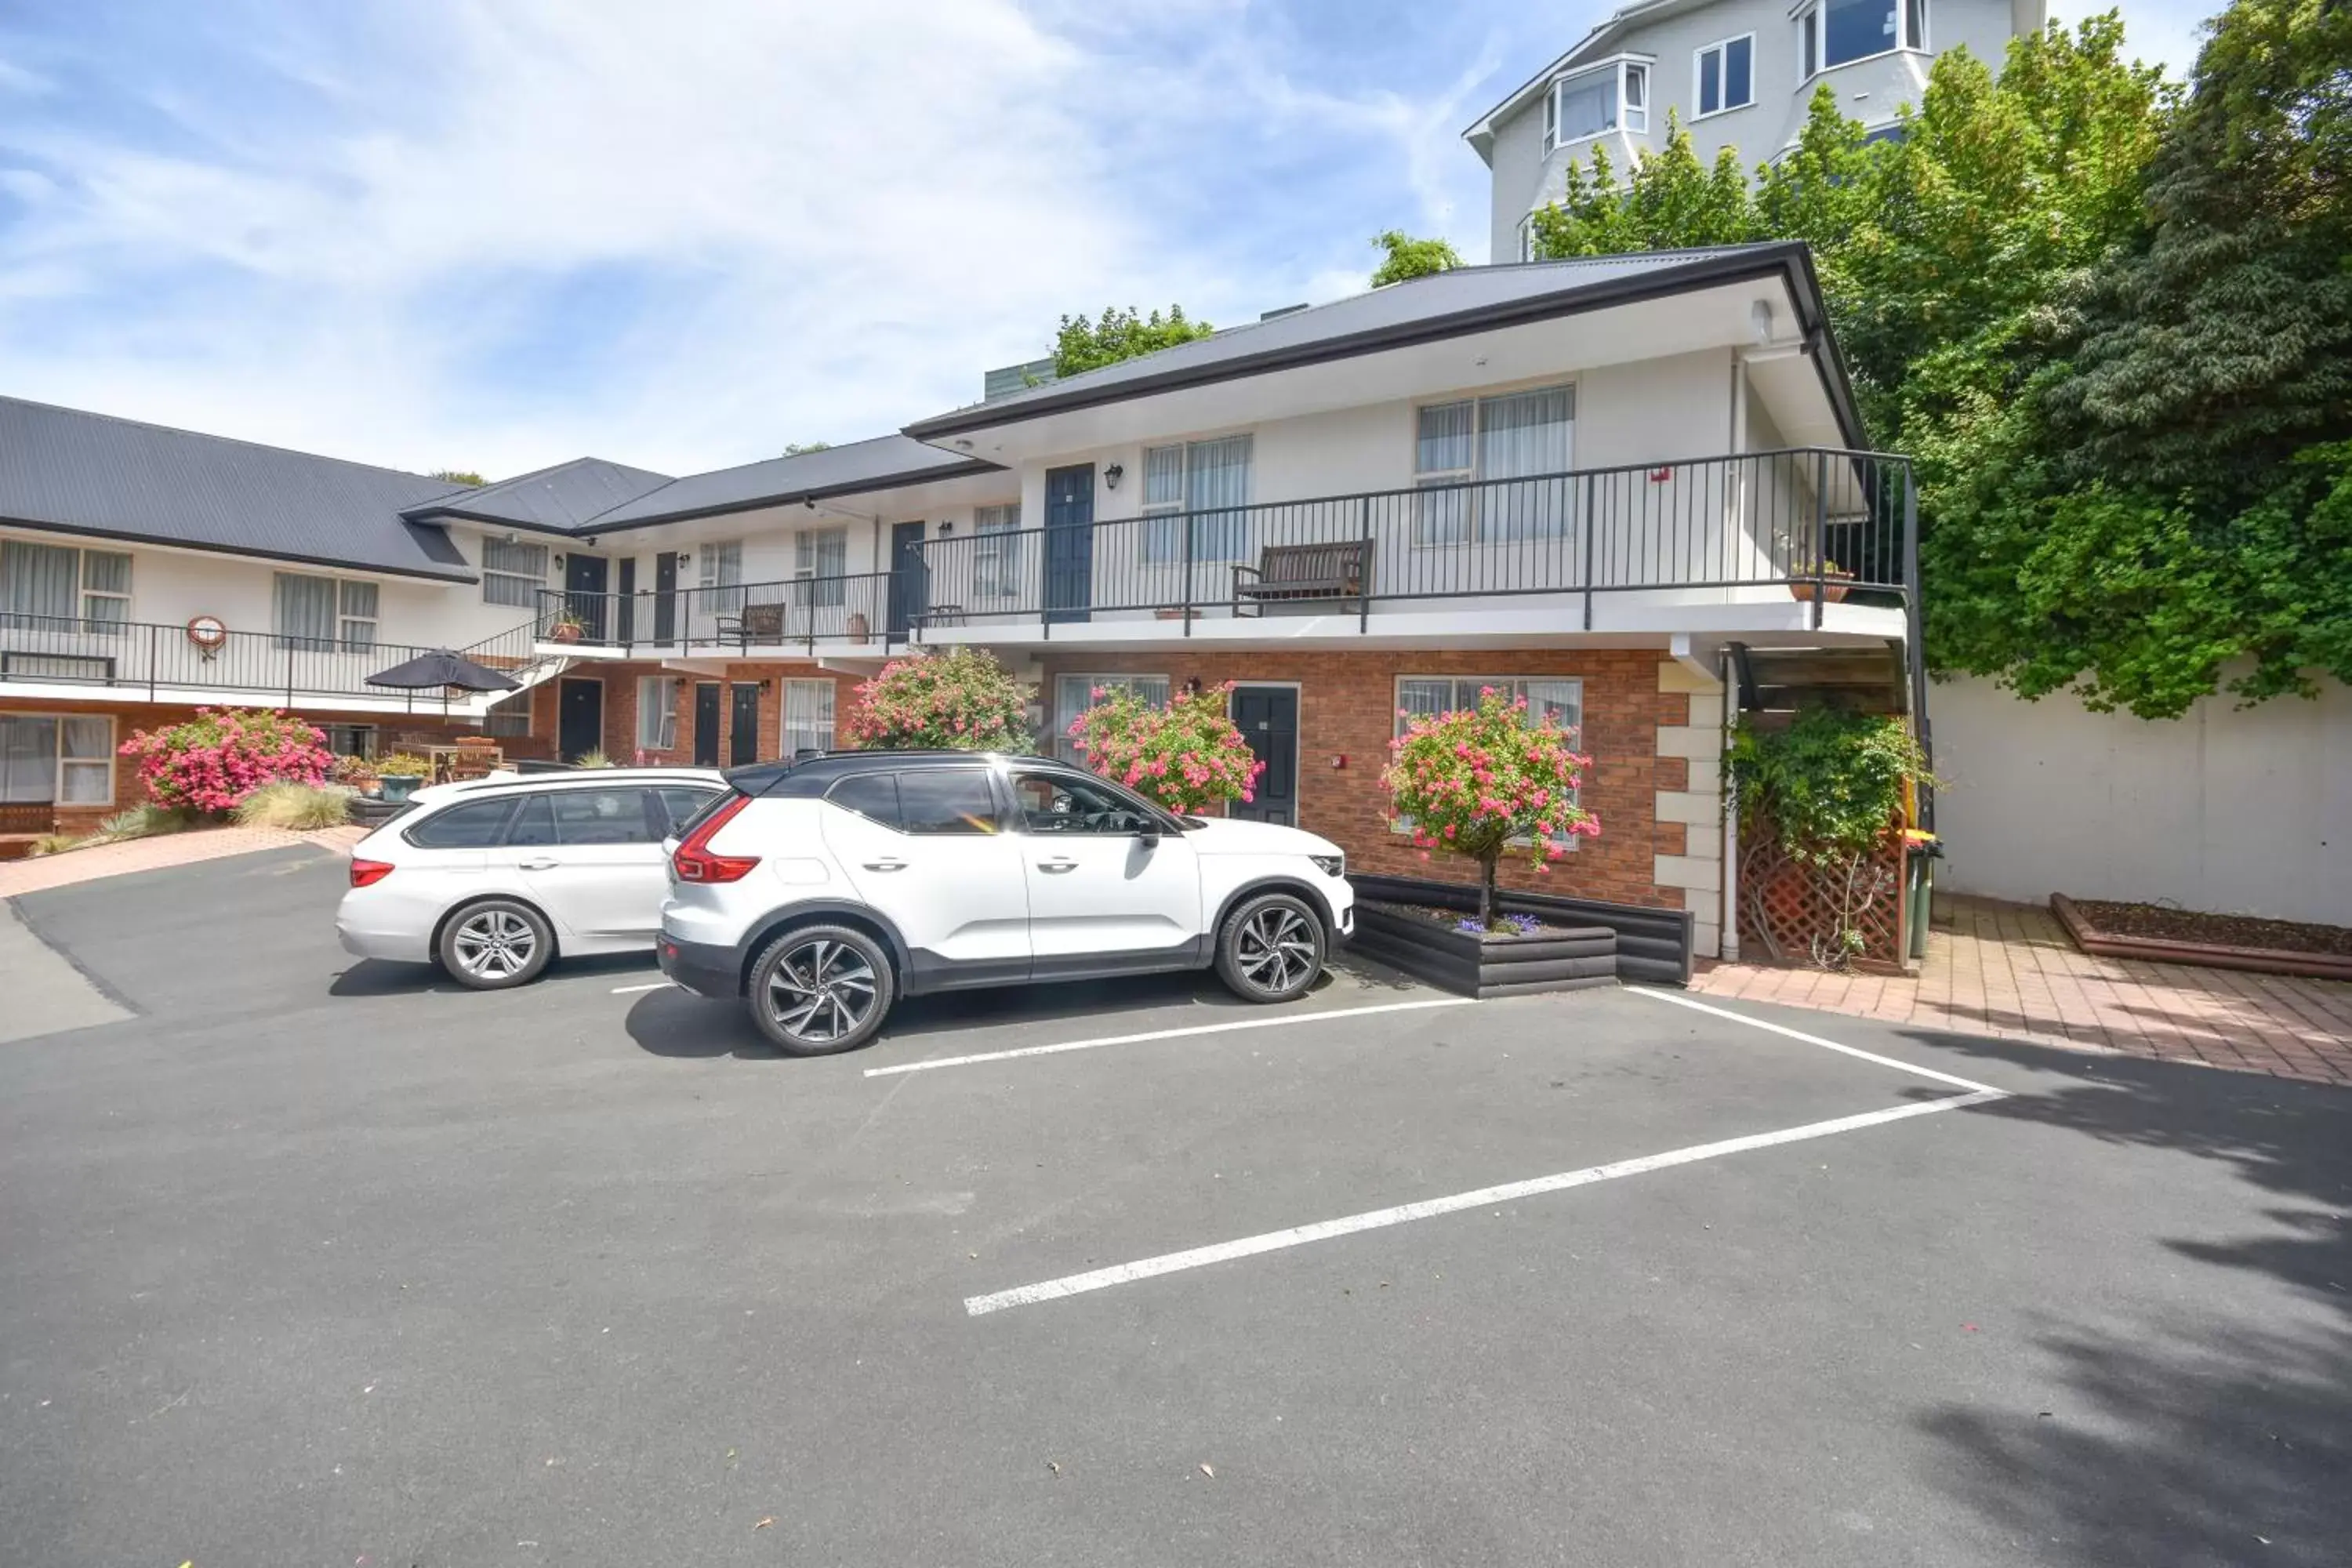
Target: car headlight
1330,864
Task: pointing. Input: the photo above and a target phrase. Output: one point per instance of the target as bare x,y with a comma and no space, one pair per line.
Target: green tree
459,476
801,449
1405,257
1082,345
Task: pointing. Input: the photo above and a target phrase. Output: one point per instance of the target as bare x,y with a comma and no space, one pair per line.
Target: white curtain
38,580
1217,476
722,575
305,610
1588,105
1163,492
28,758
823,554
997,561
808,717
1521,435
86,749
1443,455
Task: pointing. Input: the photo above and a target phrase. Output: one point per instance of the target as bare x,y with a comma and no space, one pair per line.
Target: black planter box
1560,958
1653,945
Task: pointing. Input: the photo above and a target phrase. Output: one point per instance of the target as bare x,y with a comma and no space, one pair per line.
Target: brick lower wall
620,682
1347,706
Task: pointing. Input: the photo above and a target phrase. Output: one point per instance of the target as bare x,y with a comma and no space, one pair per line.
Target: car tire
1271,948
495,945
820,989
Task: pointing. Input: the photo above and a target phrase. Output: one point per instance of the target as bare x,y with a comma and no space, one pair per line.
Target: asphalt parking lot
314,1261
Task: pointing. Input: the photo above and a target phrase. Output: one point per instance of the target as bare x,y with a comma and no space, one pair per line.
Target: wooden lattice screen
1788,911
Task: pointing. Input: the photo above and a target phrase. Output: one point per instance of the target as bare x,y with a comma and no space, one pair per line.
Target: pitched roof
67,471
1420,310
553,500
882,463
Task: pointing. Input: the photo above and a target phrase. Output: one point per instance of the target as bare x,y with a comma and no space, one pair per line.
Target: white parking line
632,990
1173,1034
1429,1208
1813,1039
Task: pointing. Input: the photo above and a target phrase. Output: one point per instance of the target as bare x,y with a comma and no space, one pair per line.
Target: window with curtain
1727,76
86,760
28,758
1840,32
721,566
1518,436
1585,105
822,555
65,760
657,712
808,717
358,628
303,610
53,585
1074,694
1202,485
509,716
512,574
1559,699
996,561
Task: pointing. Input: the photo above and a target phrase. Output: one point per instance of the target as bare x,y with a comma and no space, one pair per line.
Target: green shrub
403,764
294,805
53,844
144,820
594,759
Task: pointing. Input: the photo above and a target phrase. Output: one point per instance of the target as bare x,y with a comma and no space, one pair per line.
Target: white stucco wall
2229,809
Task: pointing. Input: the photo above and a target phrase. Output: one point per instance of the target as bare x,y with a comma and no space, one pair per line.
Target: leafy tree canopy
800,449
1082,345
459,476
1404,257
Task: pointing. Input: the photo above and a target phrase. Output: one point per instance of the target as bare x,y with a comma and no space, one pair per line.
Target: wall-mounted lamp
1112,475
684,558
946,529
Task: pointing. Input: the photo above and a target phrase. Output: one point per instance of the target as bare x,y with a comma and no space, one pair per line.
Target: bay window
1074,694
1184,486
996,559
512,574
808,717
1461,449
1832,33
1613,96
1727,76
54,586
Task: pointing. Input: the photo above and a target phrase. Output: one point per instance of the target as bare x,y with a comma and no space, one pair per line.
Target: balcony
867,613
75,657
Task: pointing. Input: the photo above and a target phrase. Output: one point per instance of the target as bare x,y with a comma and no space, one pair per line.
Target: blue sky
500,233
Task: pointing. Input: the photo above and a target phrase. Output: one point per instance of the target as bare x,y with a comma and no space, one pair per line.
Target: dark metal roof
71,472
550,500
883,463
1421,309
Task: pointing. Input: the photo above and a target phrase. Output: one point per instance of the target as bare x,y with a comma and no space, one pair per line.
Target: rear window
684,828
471,824
874,796
683,805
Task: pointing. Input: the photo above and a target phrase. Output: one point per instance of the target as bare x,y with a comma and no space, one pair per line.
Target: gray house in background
1737,73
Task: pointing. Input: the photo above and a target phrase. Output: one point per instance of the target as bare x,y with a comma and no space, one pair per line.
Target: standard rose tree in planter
961,701
1185,756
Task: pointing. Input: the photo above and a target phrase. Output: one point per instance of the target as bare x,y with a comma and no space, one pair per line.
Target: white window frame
347,636
658,700
825,590
1505,684
1476,533
499,577
1814,58
1528,238
718,573
1721,50
787,733
85,597
510,715
1631,119
1165,546
61,763
996,559
1065,713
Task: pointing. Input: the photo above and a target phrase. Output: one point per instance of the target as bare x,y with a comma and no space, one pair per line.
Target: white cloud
501,235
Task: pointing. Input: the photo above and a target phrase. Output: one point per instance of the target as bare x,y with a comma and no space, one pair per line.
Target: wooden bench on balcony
1305,572
754,623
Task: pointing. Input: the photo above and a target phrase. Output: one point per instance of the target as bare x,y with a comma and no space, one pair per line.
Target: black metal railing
867,607
157,661
1816,523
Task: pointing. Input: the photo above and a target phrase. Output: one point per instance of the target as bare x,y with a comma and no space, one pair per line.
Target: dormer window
1832,33
1613,95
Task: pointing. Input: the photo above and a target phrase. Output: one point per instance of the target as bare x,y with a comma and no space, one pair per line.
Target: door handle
886,864
1057,865
541,865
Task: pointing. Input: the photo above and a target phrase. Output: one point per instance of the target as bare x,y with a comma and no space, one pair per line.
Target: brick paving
2010,970
158,853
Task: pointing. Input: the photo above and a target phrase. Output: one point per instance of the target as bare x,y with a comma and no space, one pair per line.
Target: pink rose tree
1183,756
215,760
1483,782
961,701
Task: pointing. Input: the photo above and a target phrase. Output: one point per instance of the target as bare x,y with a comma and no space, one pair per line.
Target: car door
1109,887
926,848
591,858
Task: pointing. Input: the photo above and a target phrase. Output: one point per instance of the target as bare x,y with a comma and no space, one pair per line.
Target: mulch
2161,923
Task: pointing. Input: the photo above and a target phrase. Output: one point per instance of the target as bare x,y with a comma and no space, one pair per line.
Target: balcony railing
152,660
1818,523
865,608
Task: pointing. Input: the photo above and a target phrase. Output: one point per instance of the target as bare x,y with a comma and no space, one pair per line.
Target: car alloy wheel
496,944
1271,948
820,989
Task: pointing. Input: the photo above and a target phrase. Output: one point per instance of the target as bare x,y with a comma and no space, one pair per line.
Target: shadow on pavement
2198,1437
382,977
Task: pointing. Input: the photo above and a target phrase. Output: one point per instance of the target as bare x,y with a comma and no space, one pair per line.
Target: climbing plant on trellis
1792,908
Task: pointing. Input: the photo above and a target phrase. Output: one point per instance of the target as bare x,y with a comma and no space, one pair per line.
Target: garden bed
2161,934
1515,959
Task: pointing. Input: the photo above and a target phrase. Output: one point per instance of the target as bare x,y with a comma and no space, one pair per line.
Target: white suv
493,878
821,891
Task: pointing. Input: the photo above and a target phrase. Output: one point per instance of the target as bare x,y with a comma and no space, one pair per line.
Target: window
823,554
63,761
1560,701
50,585
1074,694
996,559
657,712
351,739
1839,32
722,565
947,801
85,760
322,612
1528,238
513,573
475,825
1199,480
1061,803
872,796
509,716
1727,76
1586,104
1462,451
808,717
585,816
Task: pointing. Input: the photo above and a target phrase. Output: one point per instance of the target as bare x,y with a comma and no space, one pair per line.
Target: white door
1096,883
926,848
593,859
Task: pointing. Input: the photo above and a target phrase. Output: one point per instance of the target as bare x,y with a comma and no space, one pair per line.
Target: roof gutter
965,469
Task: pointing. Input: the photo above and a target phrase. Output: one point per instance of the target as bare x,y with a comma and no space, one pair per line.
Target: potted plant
1835,579
860,629
567,628
398,775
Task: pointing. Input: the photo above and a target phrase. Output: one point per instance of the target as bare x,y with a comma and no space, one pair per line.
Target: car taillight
694,862
367,873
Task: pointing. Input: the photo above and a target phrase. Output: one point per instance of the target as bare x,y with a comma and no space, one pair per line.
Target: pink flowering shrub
1470,783
959,700
222,755
1183,756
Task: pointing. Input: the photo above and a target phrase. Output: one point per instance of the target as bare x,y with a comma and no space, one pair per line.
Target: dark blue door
1069,541
910,579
